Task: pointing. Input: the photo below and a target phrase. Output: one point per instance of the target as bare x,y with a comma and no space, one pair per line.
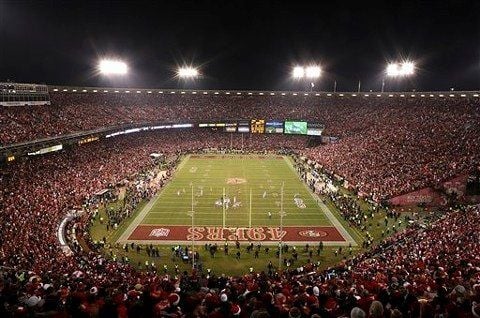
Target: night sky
242,44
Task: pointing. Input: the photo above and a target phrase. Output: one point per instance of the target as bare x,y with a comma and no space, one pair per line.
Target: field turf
238,175
264,175
235,197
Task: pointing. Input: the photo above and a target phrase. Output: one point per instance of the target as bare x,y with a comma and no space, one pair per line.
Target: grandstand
77,172
437,131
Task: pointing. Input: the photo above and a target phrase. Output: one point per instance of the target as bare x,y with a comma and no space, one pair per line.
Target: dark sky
242,44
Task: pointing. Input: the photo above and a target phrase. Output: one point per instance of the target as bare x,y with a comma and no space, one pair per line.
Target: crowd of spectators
386,147
97,110
38,190
349,206
426,271
391,148
350,210
143,188
38,277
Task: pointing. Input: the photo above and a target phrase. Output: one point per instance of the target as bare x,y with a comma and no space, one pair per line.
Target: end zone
179,234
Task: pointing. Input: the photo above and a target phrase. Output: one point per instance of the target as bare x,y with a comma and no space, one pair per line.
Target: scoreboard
295,127
274,127
257,126
264,126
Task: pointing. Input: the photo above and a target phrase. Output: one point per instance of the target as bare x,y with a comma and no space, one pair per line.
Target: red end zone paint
216,233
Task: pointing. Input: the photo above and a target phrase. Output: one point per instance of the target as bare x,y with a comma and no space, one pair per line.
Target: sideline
335,222
135,222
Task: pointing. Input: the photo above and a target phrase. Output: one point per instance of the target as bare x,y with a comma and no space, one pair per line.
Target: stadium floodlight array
298,72
112,67
400,69
187,72
310,72
313,72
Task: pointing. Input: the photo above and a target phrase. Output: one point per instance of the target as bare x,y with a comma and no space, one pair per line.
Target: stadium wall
453,188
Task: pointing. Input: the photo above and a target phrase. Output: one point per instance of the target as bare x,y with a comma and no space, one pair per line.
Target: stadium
128,201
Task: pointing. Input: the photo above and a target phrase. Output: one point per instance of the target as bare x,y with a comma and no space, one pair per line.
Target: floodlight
400,69
392,69
313,72
112,67
298,72
187,72
408,68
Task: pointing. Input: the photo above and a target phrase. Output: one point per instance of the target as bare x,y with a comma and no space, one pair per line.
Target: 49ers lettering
216,233
179,233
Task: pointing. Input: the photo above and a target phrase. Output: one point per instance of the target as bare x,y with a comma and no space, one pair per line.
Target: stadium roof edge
129,90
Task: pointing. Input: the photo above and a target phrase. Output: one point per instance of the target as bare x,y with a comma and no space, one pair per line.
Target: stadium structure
203,203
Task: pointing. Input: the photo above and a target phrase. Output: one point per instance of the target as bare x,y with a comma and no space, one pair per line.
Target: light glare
400,69
109,67
313,72
187,72
408,68
298,72
392,69
310,72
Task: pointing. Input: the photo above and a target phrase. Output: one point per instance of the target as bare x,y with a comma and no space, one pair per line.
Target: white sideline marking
126,234
343,232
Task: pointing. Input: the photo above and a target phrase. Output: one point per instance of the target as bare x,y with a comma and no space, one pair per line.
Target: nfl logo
161,232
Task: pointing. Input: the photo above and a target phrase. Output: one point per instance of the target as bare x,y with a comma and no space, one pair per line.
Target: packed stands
386,147
44,188
429,269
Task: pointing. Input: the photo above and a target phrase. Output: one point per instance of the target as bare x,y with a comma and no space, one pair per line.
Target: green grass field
237,175
209,175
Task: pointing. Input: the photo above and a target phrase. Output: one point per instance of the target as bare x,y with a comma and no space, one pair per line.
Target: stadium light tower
313,72
308,73
188,72
398,70
298,72
112,67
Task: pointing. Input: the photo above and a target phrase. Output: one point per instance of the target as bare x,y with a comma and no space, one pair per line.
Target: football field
235,197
